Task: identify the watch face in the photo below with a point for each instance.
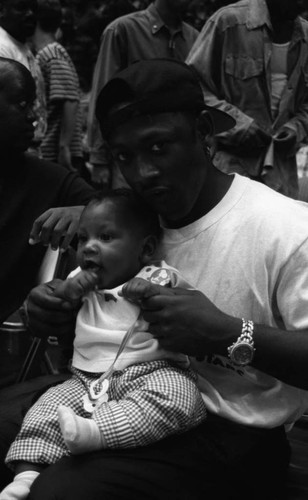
(242, 354)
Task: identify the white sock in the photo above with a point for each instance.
(20, 487)
(80, 434)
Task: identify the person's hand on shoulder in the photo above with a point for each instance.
(56, 227)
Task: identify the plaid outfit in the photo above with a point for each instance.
(152, 392)
(147, 402)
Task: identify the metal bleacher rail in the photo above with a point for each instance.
(24, 356)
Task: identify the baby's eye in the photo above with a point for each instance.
(81, 238)
(23, 104)
(105, 237)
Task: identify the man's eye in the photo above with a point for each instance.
(121, 157)
(157, 147)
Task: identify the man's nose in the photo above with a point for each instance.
(30, 11)
(146, 168)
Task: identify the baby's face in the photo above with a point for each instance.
(109, 244)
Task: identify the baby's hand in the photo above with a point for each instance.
(138, 289)
(73, 289)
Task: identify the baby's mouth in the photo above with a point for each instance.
(92, 266)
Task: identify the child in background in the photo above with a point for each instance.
(62, 142)
(126, 391)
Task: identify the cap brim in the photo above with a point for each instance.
(221, 120)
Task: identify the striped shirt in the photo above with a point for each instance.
(62, 84)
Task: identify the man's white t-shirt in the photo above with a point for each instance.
(249, 255)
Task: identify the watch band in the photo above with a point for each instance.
(244, 340)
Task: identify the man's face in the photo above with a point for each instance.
(18, 18)
(16, 115)
(178, 5)
(286, 10)
(161, 158)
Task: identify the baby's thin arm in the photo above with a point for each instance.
(73, 289)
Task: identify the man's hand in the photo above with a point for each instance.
(285, 140)
(56, 226)
(182, 320)
(48, 314)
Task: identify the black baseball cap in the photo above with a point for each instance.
(154, 86)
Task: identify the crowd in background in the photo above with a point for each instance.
(84, 22)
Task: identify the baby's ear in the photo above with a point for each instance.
(148, 249)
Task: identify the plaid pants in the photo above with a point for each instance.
(147, 402)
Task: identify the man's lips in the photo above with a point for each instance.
(29, 26)
(155, 192)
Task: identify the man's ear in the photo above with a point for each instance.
(2, 9)
(205, 124)
(148, 249)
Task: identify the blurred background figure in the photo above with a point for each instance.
(157, 31)
(29, 187)
(252, 59)
(63, 139)
(17, 25)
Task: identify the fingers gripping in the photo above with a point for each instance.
(138, 290)
(76, 287)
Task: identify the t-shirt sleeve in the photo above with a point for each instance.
(292, 291)
(63, 81)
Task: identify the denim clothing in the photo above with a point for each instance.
(140, 35)
(232, 56)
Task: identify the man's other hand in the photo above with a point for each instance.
(182, 320)
(56, 226)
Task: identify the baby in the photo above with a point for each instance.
(125, 391)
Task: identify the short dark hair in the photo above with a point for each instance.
(49, 15)
(146, 218)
